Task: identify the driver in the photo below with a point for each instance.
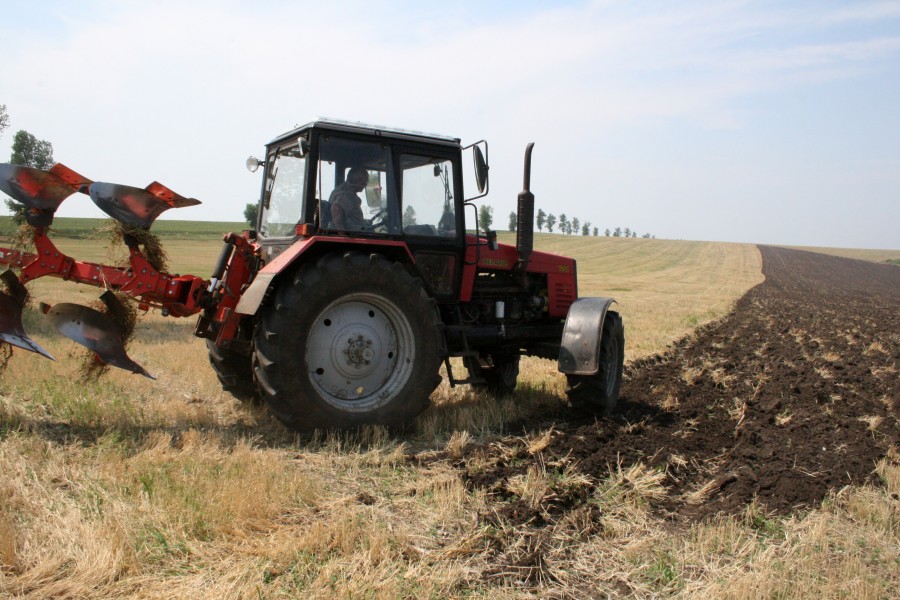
(346, 206)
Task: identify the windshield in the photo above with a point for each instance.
(283, 193)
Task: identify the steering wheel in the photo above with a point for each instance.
(377, 220)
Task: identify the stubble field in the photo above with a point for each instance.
(755, 456)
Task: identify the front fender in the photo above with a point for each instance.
(311, 248)
(579, 349)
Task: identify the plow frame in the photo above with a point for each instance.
(177, 295)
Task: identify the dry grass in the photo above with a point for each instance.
(126, 488)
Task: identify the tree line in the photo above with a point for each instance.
(567, 226)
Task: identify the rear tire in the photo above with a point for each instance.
(235, 372)
(349, 340)
(601, 391)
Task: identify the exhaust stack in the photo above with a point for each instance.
(525, 215)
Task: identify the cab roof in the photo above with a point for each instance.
(367, 129)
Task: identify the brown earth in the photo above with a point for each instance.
(793, 394)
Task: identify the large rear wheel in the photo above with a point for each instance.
(601, 391)
(234, 371)
(350, 340)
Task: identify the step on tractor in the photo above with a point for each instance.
(367, 271)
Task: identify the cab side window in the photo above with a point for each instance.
(427, 196)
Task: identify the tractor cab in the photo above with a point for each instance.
(335, 178)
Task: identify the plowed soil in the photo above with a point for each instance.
(793, 394)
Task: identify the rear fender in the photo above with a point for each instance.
(579, 351)
(311, 249)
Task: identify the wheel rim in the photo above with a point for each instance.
(360, 352)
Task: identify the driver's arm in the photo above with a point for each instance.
(337, 216)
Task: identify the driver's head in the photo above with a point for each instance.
(358, 177)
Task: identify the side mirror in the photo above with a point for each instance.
(481, 169)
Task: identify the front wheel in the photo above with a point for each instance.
(350, 340)
(601, 390)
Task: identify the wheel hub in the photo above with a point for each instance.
(356, 351)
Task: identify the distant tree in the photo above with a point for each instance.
(551, 221)
(597, 231)
(4, 119)
(540, 219)
(251, 212)
(646, 236)
(409, 217)
(576, 225)
(512, 221)
(617, 232)
(29, 151)
(627, 232)
(634, 234)
(586, 228)
(486, 216)
(608, 232)
(563, 223)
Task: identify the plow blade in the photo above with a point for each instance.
(11, 305)
(135, 206)
(40, 191)
(95, 331)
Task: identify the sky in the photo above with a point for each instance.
(737, 121)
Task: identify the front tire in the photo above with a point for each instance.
(601, 391)
(350, 340)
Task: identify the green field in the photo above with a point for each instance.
(83, 228)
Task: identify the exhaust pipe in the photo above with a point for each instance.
(525, 215)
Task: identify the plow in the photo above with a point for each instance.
(336, 310)
(41, 193)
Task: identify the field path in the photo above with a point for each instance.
(793, 394)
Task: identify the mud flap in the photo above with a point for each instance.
(579, 351)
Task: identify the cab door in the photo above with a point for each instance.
(429, 184)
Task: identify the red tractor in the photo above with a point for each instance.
(339, 309)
